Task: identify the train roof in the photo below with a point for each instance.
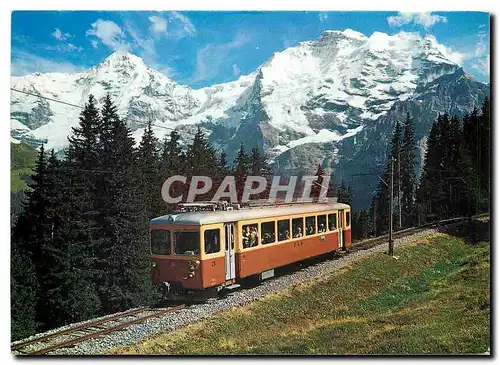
(209, 217)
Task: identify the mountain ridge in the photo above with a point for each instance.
(325, 96)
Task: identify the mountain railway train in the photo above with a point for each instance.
(203, 252)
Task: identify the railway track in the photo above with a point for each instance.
(93, 329)
(372, 242)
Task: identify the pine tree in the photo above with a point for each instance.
(201, 157)
(429, 179)
(148, 170)
(23, 293)
(485, 152)
(408, 175)
(31, 232)
(202, 161)
(223, 164)
(380, 203)
(361, 225)
(28, 236)
(241, 167)
(317, 184)
(75, 296)
(67, 287)
(84, 177)
(172, 157)
(123, 252)
(173, 162)
(259, 167)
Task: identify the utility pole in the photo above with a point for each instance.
(391, 242)
(399, 189)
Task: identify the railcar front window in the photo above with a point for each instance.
(250, 235)
(297, 227)
(212, 240)
(160, 242)
(310, 225)
(283, 229)
(321, 223)
(268, 232)
(332, 222)
(348, 219)
(187, 243)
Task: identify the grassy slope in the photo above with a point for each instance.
(22, 162)
(434, 300)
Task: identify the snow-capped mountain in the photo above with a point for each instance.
(331, 101)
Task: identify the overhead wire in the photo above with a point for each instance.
(82, 107)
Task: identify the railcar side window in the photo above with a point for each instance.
(332, 222)
(187, 243)
(283, 229)
(310, 225)
(321, 223)
(347, 219)
(212, 240)
(297, 227)
(268, 232)
(160, 242)
(250, 235)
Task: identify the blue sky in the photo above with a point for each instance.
(204, 48)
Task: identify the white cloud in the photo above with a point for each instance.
(483, 65)
(67, 47)
(158, 24)
(94, 43)
(110, 35)
(211, 58)
(427, 20)
(482, 54)
(450, 53)
(181, 25)
(322, 17)
(236, 70)
(477, 58)
(481, 46)
(24, 63)
(59, 35)
(146, 46)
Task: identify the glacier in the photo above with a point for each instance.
(330, 101)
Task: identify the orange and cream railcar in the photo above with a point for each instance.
(202, 250)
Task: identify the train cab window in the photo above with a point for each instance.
(321, 223)
(250, 235)
(332, 222)
(268, 232)
(283, 229)
(310, 225)
(160, 242)
(347, 218)
(212, 240)
(187, 243)
(297, 227)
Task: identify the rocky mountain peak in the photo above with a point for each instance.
(312, 103)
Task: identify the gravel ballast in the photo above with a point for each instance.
(196, 312)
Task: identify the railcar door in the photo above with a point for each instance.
(340, 216)
(230, 258)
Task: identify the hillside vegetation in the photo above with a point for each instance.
(434, 300)
(22, 163)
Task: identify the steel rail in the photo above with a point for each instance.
(69, 343)
(76, 328)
